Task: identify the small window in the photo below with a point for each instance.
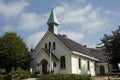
(38, 64)
(54, 64)
(54, 45)
(88, 65)
(62, 61)
(45, 45)
(79, 63)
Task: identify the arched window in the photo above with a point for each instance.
(79, 63)
(54, 45)
(62, 62)
(45, 45)
(49, 45)
(88, 65)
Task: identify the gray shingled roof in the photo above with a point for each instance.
(74, 46)
(101, 55)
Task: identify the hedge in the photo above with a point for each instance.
(17, 75)
(1, 77)
(64, 77)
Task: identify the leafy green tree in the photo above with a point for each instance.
(111, 44)
(13, 52)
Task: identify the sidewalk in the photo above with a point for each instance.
(100, 78)
(30, 79)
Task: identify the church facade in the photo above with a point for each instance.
(58, 53)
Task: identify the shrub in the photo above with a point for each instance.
(52, 72)
(1, 77)
(36, 73)
(64, 77)
(17, 75)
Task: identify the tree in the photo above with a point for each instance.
(111, 44)
(13, 52)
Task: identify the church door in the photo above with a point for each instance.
(102, 70)
(44, 66)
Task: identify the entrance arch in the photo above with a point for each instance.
(44, 63)
(102, 70)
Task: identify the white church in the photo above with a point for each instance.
(58, 53)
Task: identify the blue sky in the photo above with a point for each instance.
(85, 21)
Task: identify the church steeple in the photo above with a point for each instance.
(53, 23)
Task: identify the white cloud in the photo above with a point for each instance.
(8, 28)
(13, 9)
(88, 17)
(91, 45)
(35, 38)
(25, 20)
(30, 21)
(76, 36)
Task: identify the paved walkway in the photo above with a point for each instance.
(100, 78)
(30, 79)
(94, 78)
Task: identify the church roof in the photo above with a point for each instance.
(74, 46)
(101, 55)
(52, 18)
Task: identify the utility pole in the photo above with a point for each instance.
(50, 60)
(108, 55)
(50, 57)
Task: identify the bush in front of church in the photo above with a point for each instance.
(17, 75)
(64, 77)
(1, 77)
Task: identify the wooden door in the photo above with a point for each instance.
(44, 67)
(102, 70)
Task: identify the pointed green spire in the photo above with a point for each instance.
(52, 19)
(53, 23)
